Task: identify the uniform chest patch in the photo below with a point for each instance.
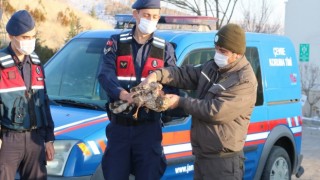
(154, 63)
(123, 64)
(38, 70)
(11, 75)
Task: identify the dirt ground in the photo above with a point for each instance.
(310, 150)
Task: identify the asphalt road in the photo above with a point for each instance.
(310, 150)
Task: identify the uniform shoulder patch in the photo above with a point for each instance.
(108, 46)
(109, 42)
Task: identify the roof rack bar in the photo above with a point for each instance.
(166, 19)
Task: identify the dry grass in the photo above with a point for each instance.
(50, 32)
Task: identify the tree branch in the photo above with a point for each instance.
(184, 5)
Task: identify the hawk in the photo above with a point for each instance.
(149, 96)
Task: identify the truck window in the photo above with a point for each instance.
(200, 56)
(253, 57)
(73, 73)
(195, 58)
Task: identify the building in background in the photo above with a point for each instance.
(303, 28)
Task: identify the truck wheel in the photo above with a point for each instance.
(278, 165)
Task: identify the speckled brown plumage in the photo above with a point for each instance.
(149, 96)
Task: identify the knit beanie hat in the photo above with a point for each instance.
(20, 23)
(231, 37)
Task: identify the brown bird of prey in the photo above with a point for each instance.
(149, 96)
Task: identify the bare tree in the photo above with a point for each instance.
(309, 76)
(223, 11)
(257, 20)
(114, 7)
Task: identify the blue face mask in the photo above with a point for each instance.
(221, 60)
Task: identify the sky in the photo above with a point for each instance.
(277, 6)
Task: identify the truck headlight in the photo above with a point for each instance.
(62, 150)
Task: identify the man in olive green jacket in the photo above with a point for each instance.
(226, 89)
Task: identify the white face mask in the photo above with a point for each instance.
(26, 47)
(146, 26)
(220, 59)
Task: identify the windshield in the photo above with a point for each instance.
(72, 73)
